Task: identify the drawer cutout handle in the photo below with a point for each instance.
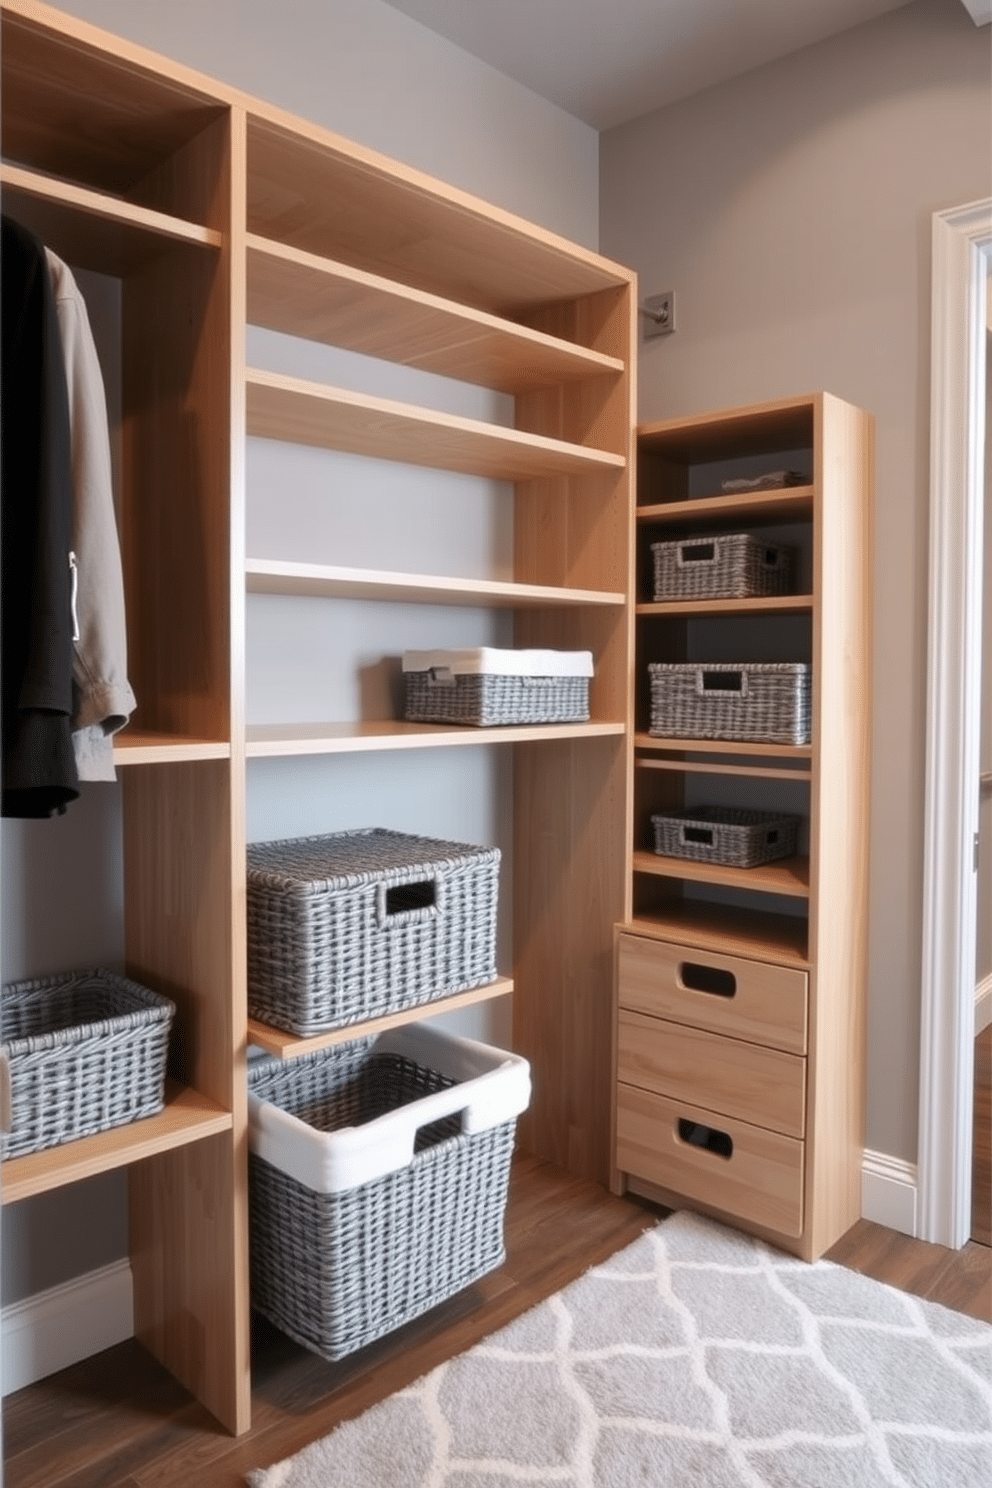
(695, 1134)
(712, 979)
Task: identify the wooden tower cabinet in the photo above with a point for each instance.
(740, 990)
(216, 212)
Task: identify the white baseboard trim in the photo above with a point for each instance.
(983, 1004)
(56, 1328)
(888, 1192)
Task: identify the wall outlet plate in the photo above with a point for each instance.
(658, 314)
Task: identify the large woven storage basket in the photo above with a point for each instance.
(727, 565)
(87, 1051)
(767, 702)
(378, 1174)
(734, 836)
(346, 927)
(488, 687)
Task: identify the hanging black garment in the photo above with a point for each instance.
(38, 774)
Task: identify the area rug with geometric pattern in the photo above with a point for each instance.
(697, 1356)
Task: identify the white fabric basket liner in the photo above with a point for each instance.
(490, 661)
(493, 1087)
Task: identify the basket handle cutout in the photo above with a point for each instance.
(771, 836)
(703, 836)
(695, 1134)
(712, 979)
(772, 557)
(440, 1129)
(408, 903)
(441, 676)
(735, 682)
(697, 553)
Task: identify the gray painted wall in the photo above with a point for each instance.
(790, 211)
(361, 68)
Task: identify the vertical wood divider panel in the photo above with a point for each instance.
(842, 543)
(571, 803)
(184, 823)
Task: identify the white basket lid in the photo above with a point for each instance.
(493, 1086)
(489, 660)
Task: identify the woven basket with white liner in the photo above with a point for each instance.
(487, 687)
(378, 1177)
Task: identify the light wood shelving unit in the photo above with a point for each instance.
(740, 991)
(217, 212)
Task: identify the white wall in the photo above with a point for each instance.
(361, 68)
(790, 211)
(374, 75)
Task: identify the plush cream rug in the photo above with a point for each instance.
(696, 1356)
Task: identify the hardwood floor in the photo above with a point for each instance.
(119, 1421)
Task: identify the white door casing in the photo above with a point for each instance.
(962, 255)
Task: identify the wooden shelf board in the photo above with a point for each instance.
(723, 746)
(770, 604)
(187, 1117)
(323, 581)
(275, 740)
(324, 194)
(701, 767)
(138, 747)
(286, 1045)
(722, 435)
(794, 503)
(301, 412)
(783, 876)
(92, 229)
(300, 294)
(778, 938)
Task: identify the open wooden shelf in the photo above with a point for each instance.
(701, 767)
(746, 748)
(758, 935)
(286, 1045)
(323, 581)
(280, 740)
(771, 604)
(392, 220)
(90, 228)
(302, 412)
(138, 747)
(781, 876)
(186, 1117)
(303, 295)
(753, 509)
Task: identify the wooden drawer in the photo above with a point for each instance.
(753, 1174)
(752, 1000)
(762, 1086)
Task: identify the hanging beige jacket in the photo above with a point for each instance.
(102, 697)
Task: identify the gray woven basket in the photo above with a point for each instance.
(87, 1051)
(353, 925)
(727, 565)
(489, 700)
(734, 836)
(767, 702)
(337, 1270)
